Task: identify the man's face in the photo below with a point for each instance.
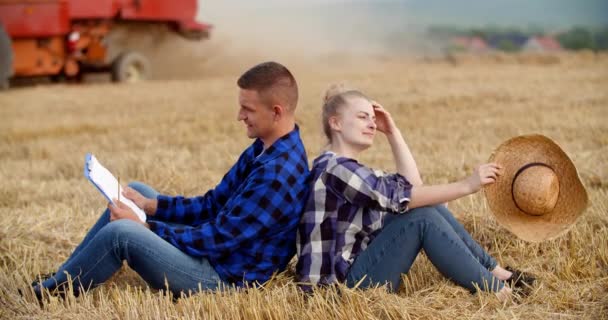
(257, 116)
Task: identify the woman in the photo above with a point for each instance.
(362, 226)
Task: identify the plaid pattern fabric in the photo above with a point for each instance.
(344, 213)
(246, 226)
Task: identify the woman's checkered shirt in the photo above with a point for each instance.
(344, 213)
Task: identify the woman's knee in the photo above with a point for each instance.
(427, 214)
(449, 217)
(445, 212)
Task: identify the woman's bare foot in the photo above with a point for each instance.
(501, 273)
(504, 294)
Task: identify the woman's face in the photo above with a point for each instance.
(356, 124)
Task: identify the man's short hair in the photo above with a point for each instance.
(273, 82)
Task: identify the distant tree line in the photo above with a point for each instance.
(574, 38)
(583, 38)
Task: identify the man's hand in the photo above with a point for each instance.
(122, 211)
(148, 205)
(483, 175)
(384, 120)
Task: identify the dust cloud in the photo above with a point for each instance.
(246, 32)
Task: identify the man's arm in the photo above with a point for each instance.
(256, 211)
(193, 210)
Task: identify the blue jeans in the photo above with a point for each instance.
(159, 263)
(444, 240)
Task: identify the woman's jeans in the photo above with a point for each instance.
(444, 240)
(159, 263)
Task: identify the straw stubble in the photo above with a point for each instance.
(180, 137)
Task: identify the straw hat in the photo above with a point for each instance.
(539, 195)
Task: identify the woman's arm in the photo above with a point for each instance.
(432, 195)
(404, 160)
(365, 187)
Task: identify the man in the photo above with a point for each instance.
(242, 231)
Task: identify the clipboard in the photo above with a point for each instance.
(107, 184)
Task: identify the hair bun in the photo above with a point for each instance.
(334, 90)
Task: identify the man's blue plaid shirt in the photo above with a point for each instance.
(246, 226)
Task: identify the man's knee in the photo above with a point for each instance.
(119, 228)
(138, 186)
(144, 189)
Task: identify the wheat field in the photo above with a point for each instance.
(181, 136)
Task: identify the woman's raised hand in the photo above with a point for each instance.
(484, 174)
(384, 121)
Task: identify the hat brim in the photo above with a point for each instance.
(572, 199)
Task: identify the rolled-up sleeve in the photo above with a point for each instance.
(363, 186)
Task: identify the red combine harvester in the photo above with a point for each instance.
(60, 38)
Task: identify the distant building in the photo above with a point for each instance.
(507, 42)
(542, 44)
(469, 44)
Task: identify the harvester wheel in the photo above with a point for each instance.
(130, 67)
(6, 59)
(194, 35)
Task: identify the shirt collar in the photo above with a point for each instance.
(287, 142)
(324, 157)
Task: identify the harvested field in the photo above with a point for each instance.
(181, 136)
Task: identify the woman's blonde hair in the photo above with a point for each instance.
(336, 96)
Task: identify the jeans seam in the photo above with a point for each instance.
(486, 256)
(170, 265)
(94, 266)
(465, 246)
(116, 245)
(383, 250)
(481, 285)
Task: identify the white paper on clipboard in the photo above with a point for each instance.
(107, 184)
